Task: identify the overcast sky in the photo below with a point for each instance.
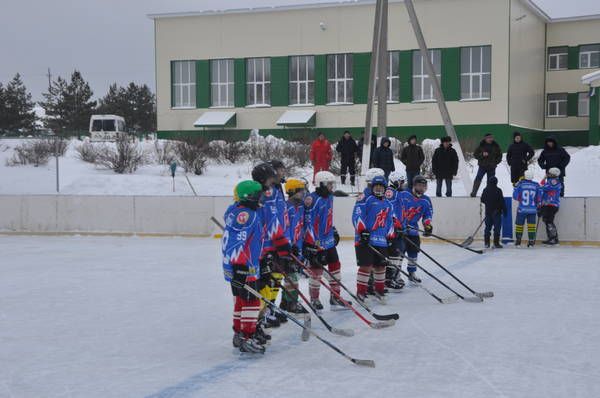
(112, 40)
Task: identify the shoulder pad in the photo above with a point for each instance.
(242, 217)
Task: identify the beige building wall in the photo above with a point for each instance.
(349, 28)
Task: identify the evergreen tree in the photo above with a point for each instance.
(16, 107)
(3, 112)
(135, 103)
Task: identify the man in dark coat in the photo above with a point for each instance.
(347, 148)
(413, 157)
(488, 155)
(384, 157)
(554, 155)
(444, 165)
(518, 156)
(493, 199)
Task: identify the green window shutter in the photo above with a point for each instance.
(202, 84)
(573, 61)
(572, 104)
(405, 61)
(320, 79)
(451, 73)
(280, 81)
(172, 84)
(362, 66)
(239, 72)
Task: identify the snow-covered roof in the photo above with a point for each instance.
(298, 118)
(593, 79)
(216, 119)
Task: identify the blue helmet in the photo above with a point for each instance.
(379, 180)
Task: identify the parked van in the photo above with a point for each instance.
(106, 127)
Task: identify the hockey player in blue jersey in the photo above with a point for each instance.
(551, 188)
(321, 239)
(527, 193)
(393, 277)
(241, 247)
(416, 207)
(374, 224)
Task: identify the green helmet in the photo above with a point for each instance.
(248, 191)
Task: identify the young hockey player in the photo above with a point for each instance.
(393, 277)
(493, 199)
(417, 207)
(321, 239)
(375, 228)
(550, 203)
(241, 246)
(296, 190)
(527, 193)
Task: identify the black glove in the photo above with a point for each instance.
(322, 257)
(365, 237)
(399, 232)
(309, 251)
(240, 272)
(336, 236)
(390, 242)
(428, 230)
(267, 265)
(295, 250)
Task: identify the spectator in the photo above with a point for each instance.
(444, 165)
(518, 156)
(348, 149)
(488, 155)
(361, 143)
(493, 199)
(384, 157)
(554, 155)
(320, 154)
(413, 157)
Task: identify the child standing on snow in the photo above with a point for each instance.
(493, 199)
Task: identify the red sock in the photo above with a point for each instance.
(334, 270)
(249, 316)
(237, 313)
(315, 282)
(379, 275)
(362, 280)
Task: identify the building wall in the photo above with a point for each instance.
(348, 29)
(572, 34)
(527, 59)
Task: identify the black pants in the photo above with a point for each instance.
(348, 166)
(438, 189)
(516, 172)
(548, 213)
(493, 220)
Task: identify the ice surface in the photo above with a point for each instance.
(151, 317)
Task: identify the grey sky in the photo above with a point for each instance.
(112, 40)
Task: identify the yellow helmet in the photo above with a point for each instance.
(236, 197)
(293, 185)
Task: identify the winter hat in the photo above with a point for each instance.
(493, 181)
(516, 133)
(446, 139)
(487, 135)
(411, 137)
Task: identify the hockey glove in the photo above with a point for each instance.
(336, 236)
(365, 238)
(309, 251)
(295, 251)
(428, 230)
(399, 232)
(322, 257)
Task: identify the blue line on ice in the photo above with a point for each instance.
(196, 382)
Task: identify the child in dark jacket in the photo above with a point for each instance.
(493, 199)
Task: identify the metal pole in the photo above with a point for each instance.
(366, 151)
(57, 171)
(382, 71)
(439, 96)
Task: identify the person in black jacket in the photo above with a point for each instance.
(493, 199)
(518, 155)
(413, 157)
(488, 155)
(384, 157)
(554, 155)
(348, 149)
(444, 165)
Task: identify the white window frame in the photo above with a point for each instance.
(476, 75)
(556, 57)
(219, 81)
(347, 79)
(301, 83)
(190, 85)
(588, 56)
(392, 78)
(583, 102)
(422, 76)
(556, 104)
(264, 86)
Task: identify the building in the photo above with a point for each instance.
(504, 65)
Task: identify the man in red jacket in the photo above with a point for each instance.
(320, 154)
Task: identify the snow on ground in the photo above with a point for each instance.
(151, 317)
(80, 178)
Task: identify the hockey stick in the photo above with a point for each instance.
(374, 325)
(467, 242)
(361, 362)
(379, 317)
(447, 241)
(477, 294)
(475, 299)
(190, 184)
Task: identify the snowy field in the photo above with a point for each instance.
(149, 317)
(80, 178)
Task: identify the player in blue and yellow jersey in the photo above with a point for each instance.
(551, 188)
(527, 193)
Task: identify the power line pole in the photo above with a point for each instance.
(382, 72)
(56, 138)
(49, 74)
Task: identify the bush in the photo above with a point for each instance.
(164, 151)
(125, 157)
(429, 147)
(87, 152)
(223, 151)
(36, 152)
(193, 154)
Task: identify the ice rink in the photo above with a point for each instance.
(151, 317)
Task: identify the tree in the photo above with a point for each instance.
(69, 106)
(135, 103)
(16, 107)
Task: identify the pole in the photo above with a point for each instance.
(366, 150)
(439, 96)
(56, 155)
(382, 71)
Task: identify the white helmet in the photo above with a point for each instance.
(554, 172)
(324, 177)
(529, 175)
(374, 172)
(396, 176)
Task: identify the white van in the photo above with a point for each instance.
(106, 127)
